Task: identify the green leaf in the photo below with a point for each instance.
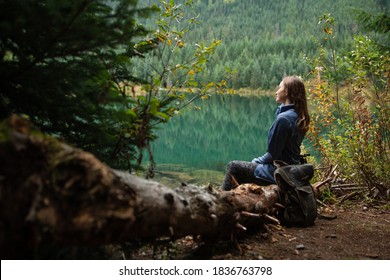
(162, 116)
(131, 113)
(154, 106)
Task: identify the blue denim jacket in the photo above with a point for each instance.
(284, 143)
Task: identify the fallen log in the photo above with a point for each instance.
(51, 193)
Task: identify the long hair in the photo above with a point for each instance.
(297, 93)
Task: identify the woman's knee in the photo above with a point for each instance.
(232, 165)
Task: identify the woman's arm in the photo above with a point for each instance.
(266, 158)
(278, 136)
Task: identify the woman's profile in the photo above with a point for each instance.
(285, 137)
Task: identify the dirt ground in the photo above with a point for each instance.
(352, 233)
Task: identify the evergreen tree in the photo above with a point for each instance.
(71, 67)
(276, 25)
(62, 63)
(379, 24)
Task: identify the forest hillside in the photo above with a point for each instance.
(263, 40)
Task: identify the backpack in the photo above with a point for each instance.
(296, 194)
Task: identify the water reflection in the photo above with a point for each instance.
(196, 146)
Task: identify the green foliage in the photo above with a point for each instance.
(67, 65)
(379, 24)
(170, 71)
(61, 64)
(350, 126)
(171, 66)
(328, 196)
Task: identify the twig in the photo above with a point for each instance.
(271, 219)
(265, 216)
(280, 206)
(349, 189)
(249, 214)
(327, 179)
(321, 203)
(345, 197)
(240, 226)
(317, 185)
(330, 172)
(333, 170)
(344, 185)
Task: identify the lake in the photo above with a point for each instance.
(195, 146)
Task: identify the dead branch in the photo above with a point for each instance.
(316, 186)
(342, 186)
(321, 203)
(346, 197)
(52, 193)
(271, 219)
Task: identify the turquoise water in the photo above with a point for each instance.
(195, 147)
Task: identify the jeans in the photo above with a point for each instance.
(243, 172)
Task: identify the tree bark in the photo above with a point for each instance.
(51, 193)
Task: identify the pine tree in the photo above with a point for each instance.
(62, 63)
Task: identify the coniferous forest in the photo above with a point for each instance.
(263, 40)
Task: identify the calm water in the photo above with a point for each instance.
(196, 146)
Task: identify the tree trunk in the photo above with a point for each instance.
(51, 193)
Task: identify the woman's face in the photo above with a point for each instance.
(281, 94)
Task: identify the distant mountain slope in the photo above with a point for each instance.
(263, 40)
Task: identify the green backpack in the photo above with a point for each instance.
(296, 195)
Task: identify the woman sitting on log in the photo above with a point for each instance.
(285, 137)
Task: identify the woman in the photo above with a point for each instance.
(285, 137)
